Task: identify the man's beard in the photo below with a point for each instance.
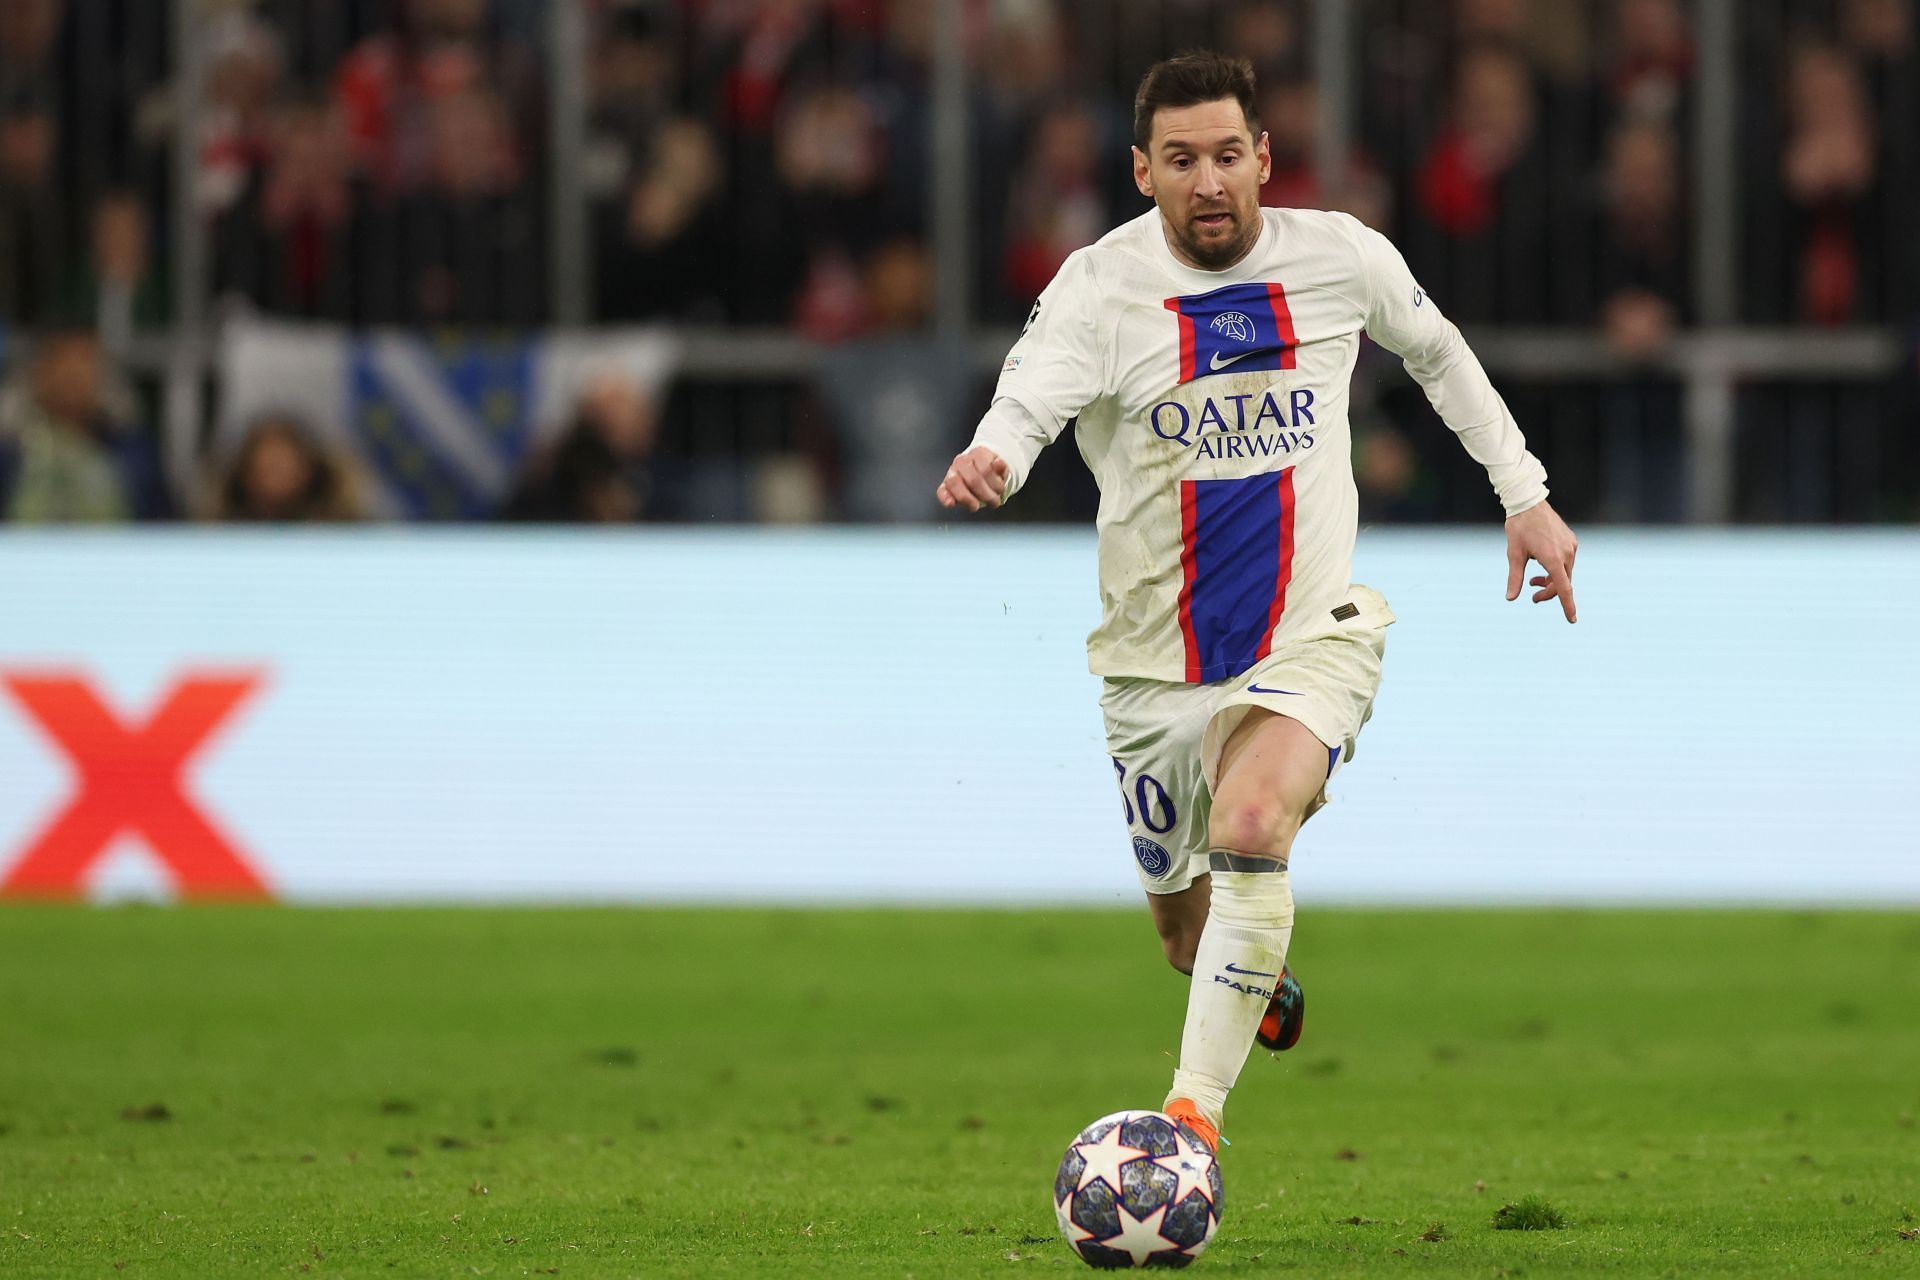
(1217, 255)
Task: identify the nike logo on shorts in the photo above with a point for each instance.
(1254, 688)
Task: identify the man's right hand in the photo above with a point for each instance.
(977, 478)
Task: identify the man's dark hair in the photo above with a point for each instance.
(1187, 80)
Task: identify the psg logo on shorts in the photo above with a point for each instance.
(1153, 858)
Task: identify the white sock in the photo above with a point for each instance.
(1235, 970)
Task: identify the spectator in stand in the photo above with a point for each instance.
(898, 64)
(32, 220)
(443, 209)
(786, 88)
(662, 258)
(388, 83)
(1394, 487)
(284, 243)
(1022, 65)
(116, 284)
(1023, 61)
(1643, 268)
(1057, 203)
(70, 450)
(1643, 285)
(1290, 113)
(632, 89)
(654, 179)
(1651, 66)
(601, 470)
(770, 50)
(237, 121)
(29, 137)
(1830, 167)
(831, 153)
(1501, 22)
(898, 397)
(470, 239)
(1267, 34)
(28, 30)
(1879, 29)
(1641, 72)
(758, 48)
(1414, 53)
(1881, 35)
(282, 475)
(1482, 195)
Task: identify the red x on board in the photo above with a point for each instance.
(132, 778)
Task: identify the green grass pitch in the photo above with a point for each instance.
(262, 1092)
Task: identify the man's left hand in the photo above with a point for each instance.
(1539, 534)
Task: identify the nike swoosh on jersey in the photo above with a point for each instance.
(1291, 693)
(1216, 364)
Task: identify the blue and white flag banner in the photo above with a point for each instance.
(440, 422)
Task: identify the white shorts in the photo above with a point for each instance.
(1166, 738)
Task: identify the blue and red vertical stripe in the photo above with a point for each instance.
(1234, 329)
(1236, 559)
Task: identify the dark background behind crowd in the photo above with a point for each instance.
(766, 164)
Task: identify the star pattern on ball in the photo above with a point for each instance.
(1140, 1238)
(1104, 1159)
(1075, 1234)
(1191, 1163)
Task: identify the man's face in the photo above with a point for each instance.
(1204, 168)
(67, 377)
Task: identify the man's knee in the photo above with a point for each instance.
(1272, 772)
(1253, 826)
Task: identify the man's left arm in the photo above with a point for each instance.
(1404, 320)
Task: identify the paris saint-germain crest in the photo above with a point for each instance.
(1238, 328)
(1152, 855)
(1234, 324)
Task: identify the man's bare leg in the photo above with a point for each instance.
(1271, 774)
(1179, 918)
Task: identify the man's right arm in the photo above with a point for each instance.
(1053, 371)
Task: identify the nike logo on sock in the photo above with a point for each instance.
(1251, 973)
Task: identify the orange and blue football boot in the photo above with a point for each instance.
(1184, 1110)
(1286, 1014)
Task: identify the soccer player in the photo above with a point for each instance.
(1205, 348)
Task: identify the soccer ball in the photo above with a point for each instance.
(1138, 1189)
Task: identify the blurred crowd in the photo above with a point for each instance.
(767, 162)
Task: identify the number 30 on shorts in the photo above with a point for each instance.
(1155, 805)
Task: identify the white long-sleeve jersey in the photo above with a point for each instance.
(1212, 411)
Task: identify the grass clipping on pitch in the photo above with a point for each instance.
(1529, 1213)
